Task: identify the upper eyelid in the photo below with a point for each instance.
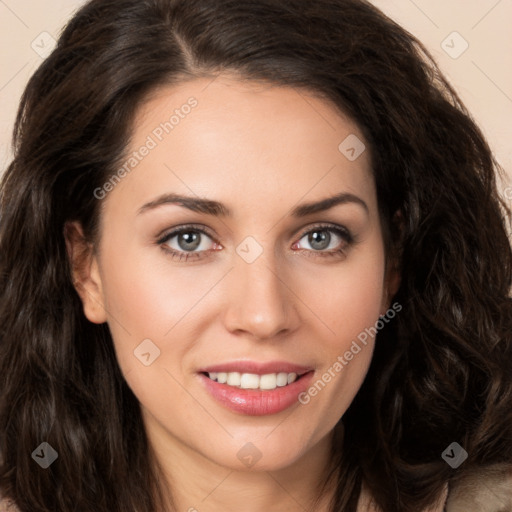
(170, 233)
(205, 230)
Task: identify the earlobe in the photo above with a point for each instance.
(85, 272)
(393, 273)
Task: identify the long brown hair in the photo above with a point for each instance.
(441, 369)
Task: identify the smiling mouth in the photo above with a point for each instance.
(266, 382)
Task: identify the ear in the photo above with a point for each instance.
(85, 272)
(392, 283)
(393, 276)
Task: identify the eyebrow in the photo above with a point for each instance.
(217, 209)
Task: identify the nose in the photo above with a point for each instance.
(261, 302)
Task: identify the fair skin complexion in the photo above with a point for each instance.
(261, 151)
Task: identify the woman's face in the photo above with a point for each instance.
(263, 280)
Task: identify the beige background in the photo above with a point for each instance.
(482, 74)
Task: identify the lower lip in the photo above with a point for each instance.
(254, 402)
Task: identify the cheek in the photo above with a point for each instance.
(149, 305)
(147, 294)
(142, 302)
(360, 302)
(350, 307)
(144, 289)
(149, 297)
(347, 298)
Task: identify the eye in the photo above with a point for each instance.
(189, 242)
(320, 238)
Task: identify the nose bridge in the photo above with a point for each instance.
(260, 301)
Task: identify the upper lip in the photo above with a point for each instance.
(258, 368)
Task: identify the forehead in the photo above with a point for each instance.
(226, 138)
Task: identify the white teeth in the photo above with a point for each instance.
(291, 377)
(249, 381)
(234, 379)
(268, 381)
(282, 379)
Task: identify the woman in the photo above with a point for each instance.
(253, 257)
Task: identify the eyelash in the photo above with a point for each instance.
(343, 233)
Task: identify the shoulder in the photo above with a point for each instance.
(487, 489)
(6, 505)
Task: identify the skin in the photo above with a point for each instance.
(261, 150)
